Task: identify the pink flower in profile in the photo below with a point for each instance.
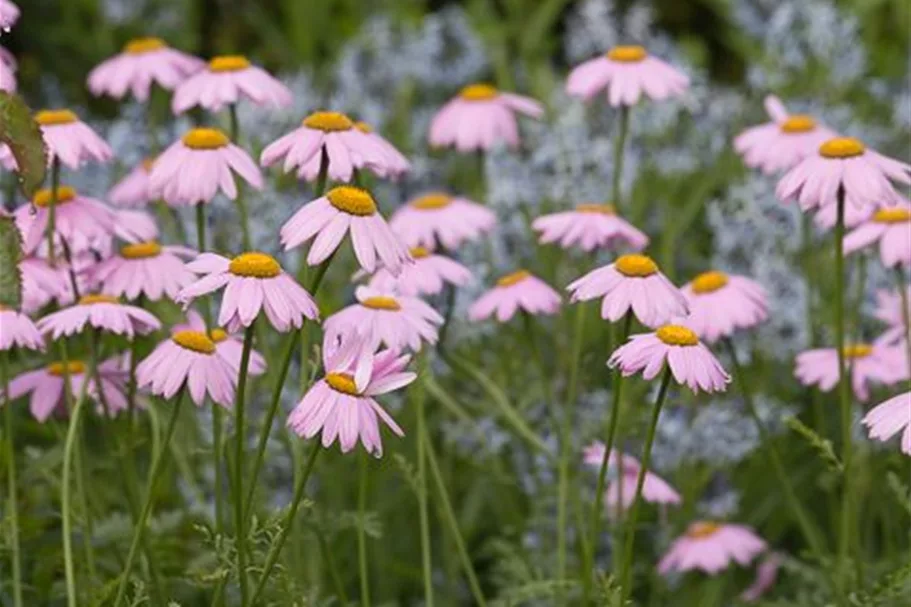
(102, 312)
(514, 292)
(228, 346)
(134, 189)
(46, 387)
(868, 363)
(481, 117)
(437, 217)
(891, 228)
(188, 358)
(782, 143)
(722, 303)
(342, 405)
(144, 61)
(79, 220)
(345, 209)
(224, 81)
(889, 418)
(18, 331)
(70, 140)
(254, 283)
(399, 322)
(199, 165)
(146, 268)
(843, 163)
(42, 283)
(625, 73)
(889, 310)
(396, 163)
(9, 14)
(429, 273)
(589, 227)
(827, 216)
(766, 576)
(712, 547)
(632, 282)
(690, 362)
(620, 492)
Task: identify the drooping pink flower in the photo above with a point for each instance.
(827, 216)
(889, 310)
(224, 81)
(345, 209)
(712, 547)
(102, 312)
(133, 226)
(519, 291)
(199, 165)
(620, 491)
(8, 68)
(42, 283)
(691, 363)
(868, 363)
(145, 268)
(843, 163)
(229, 346)
(9, 14)
(891, 228)
(889, 418)
(429, 273)
(632, 282)
(342, 404)
(589, 227)
(18, 331)
(144, 61)
(721, 303)
(134, 189)
(437, 217)
(625, 73)
(396, 163)
(766, 576)
(79, 220)
(782, 143)
(70, 140)
(481, 117)
(254, 282)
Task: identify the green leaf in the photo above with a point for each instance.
(10, 254)
(21, 133)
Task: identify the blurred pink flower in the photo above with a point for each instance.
(620, 491)
(134, 226)
(519, 291)
(625, 73)
(9, 14)
(451, 220)
(144, 61)
(722, 303)
(889, 418)
(889, 310)
(134, 189)
(145, 268)
(8, 68)
(766, 576)
(41, 283)
(228, 346)
(18, 331)
(70, 140)
(891, 228)
(589, 227)
(867, 363)
(711, 547)
(103, 312)
(396, 164)
(224, 81)
(429, 273)
(81, 221)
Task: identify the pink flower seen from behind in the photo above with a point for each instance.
(134, 189)
(70, 140)
(722, 303)
(589, 227)
(625, 74)
(143, 62)
(102, 312)
(438, 218)
(711, 547)
(226, 80)
(519, 291)
(146, 268)
(428, 275)
(868, 363)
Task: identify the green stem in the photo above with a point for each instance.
(11, 481)
(419, 401)
(363, 573)
(333, 569)
(51, 211)
(619, 148)
(239, 451)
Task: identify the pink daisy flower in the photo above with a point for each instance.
(722, 303)
(199, 165)
(481, 117)
(766, 576)
(224, 81)
(42, 283)
(9, 14)
(428, 275)
(79, 220)
(691, 363)
(868, 363)
(102, 312)
(18, 331)
(229, 346)
(399, 322)
(342, 404)
(711, 547)
(517, 291)
(134, 226)
(632, 282)
(70, 140)
(437, 217)
(889, 310)
(134, 189)
(827, 216)
(341, 210)
(396, 163)
(625, 73)
(843, 163)
(254, 282)
(144, 61)
(889, 418)
(891, 228)
(589, 226)
(782, 143)
(620, 492)
(145, 268)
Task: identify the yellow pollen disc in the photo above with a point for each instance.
(197, 341)
(342, 382)
(858, 350)
(702, 530)
(514, 278)
(627, 54)
(894, 215)
(798, 123)
(709, 282)
(675, 335)
(603, 209)
(64, 194)
(52, 117)
(140, 250)
(419, 252)
(381, 303)
(74, 367)
(228, 63)
(842, 147)
(218, 335)
(478, 92)
(352, 200)
(328, 122)
(255, 265)
(205, 139)
(429, 202)
(636, 265)
(138, 46)
(87, 300)
(363, 127)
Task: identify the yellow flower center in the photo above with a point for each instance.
(140, 250)
(702, 530)
(64, 194)
(675, 335)
(603, 209)
(205, 139)
(381, 303)
(858, 350)
(842, 147)
(627, 53)
(53, 117)
(514, 278)
(478, 92)
(352, 200)
(228, 63)
(255, 265)
(87, 300)
(218, 335)
(197, 341)
(342, 382)
(798, 123)
(138, 46)
(894, 215)
(328, 122)
(636, 265)
(709, 282)
(419, 252)
(363, 127)
(74, 367)
(430, 202)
